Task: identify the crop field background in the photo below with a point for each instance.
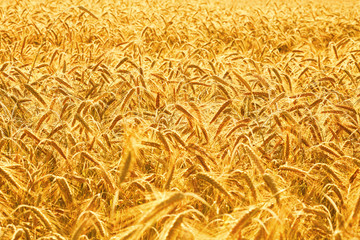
(169, 119)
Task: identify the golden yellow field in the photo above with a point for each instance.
(171, 119)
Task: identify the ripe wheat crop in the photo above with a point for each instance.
(178, 119)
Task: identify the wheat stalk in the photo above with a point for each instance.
(87, 11)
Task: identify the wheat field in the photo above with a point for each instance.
(169, 119)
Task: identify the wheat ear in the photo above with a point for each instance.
(213, 182)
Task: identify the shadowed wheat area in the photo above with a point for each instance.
(179, 120)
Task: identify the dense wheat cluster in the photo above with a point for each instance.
(167, 119)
